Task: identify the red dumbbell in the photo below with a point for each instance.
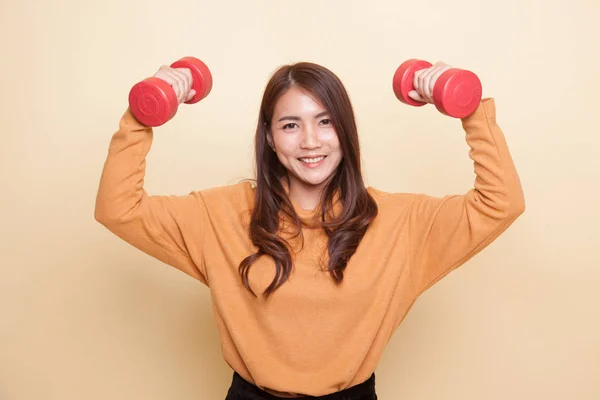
(456, 93)
(153, 101)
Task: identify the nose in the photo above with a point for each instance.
(310, 137)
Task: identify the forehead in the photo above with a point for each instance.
(297, 102)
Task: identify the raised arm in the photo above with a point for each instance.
(168, 228)
(446, 232)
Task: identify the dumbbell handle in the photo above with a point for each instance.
(201, 77)
(153, 101)
(456, 92)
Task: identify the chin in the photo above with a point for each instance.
(315, 182)
(318, 181)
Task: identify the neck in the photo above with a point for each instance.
(306, 197)
(306, 200)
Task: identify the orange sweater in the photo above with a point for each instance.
(311, 337)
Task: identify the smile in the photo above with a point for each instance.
(313, 160)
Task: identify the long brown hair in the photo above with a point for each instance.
(345, 230)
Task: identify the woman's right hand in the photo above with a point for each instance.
(180, 80)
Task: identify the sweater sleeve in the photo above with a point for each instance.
(168, 228)
(445, 232)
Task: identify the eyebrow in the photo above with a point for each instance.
(294, 118)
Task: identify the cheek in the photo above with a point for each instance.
(333, 142)
(285, 145)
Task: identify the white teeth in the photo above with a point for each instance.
(311, 160)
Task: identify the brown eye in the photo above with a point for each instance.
(289, 126)
(326, 121)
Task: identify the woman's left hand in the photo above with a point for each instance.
(424, 82)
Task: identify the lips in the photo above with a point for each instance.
(312, 160)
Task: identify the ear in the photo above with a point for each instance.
(270, 140)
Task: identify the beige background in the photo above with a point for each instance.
(85, 316)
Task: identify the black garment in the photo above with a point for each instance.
(242, 390)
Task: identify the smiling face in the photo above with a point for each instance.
(306, 143)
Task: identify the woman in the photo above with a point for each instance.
(310, 272)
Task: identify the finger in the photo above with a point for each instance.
(420, 87)
(186, 76)
(163, 73)
(166, 74)
(191, 95)
(440, 69)
(183, 82)
(426, 79)
(423, 85)
(178, 85)
(413, 94)
(417, 80)
(427, 90)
